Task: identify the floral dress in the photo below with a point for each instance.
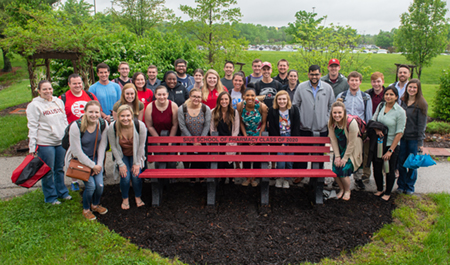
(252, 120)
(347, 169)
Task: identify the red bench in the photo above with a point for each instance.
(263, 152)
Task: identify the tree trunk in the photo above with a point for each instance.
(210, 54)
(419, 71)
(32, 76)
(7, 67)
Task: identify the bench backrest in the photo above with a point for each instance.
(227, 148)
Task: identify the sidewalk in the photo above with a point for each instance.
(431, 180)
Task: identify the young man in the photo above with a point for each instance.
(403, 74)
(358, 104)
(76, 98)
(153, 81)
(256, 75)
(314, 99)
(227, 80)
(185, 79)
(335, 79)
(107, 93)
(124, 71)
(267, 87)
(283, 67)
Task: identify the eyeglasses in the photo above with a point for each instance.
(314, 74)
(124, 68)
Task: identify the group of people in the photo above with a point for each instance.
(121, 113)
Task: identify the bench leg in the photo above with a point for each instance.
(156, 192)
(318, 189)
(211, 188)
(264, 191)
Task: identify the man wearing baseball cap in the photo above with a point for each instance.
(335, 79)
(267, 87)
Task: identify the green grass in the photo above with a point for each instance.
(13, 129)
(22, 73)
(438, 127)
(16, 94)
(32, 232)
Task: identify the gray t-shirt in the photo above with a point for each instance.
(236, 97)
(227, 83)
(88, 142)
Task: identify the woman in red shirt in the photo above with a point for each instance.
(145, 95)
(211, 89)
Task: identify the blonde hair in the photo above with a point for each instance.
(84, 119)
(135, 102)
(281, 93)
(331, 122)
(118, 125)
(188, 101)
(205, 89)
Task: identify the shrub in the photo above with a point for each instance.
(442, 99)
(438, 127)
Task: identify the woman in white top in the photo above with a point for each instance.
(46, 123)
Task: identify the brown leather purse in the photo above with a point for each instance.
(78, 170)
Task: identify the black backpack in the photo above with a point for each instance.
(365, 97)
(65, 140)
(63, 96)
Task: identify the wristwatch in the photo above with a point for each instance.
(390, 150)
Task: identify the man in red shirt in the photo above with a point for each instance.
(76, 98)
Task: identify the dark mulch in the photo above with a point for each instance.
(437, 140)
(9, 109)
(239, 231)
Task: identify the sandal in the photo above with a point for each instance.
(140, 204)
(339, 197)
(346, 196)
(297, 180)
(379, 193)
(125, 206)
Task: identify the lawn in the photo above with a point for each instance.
(18, 93)
(32, 232)
(13, 129)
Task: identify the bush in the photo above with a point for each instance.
(160, 49)
(438, 127)
(442, 99)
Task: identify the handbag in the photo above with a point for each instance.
(30, 171)
(77, 170)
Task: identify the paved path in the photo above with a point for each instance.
(431, 180)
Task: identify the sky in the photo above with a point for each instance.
(367, 17)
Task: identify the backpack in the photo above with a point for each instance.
(365, 97)
(185, 110)
(65, 140)
(63, 96)
(359, 121)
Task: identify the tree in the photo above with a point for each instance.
(422, 34)
(320, 44)
(385, 39)
(77, 10)
(211, 28)
(141, 15)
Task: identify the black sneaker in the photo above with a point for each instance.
(365, 179)
(360, 184)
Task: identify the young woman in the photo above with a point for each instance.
(284, 120)
(143, 94)
(347, 146)
(253, 116)
(416, 108)
(238, 88)
(176, 92)
(394, 118)
(161, 114)
(128, 148)
(225, 121)
(46, 124)
(194, 118)
(82, 144)
(129, 97)
(198, 78)
(212, 88)
(292, 83)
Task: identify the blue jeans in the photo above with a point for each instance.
(285, 165)
(93, 190)
(53, 183)
(125, 182)
(407, 177)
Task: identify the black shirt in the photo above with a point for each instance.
(267, 89)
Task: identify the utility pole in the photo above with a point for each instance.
(314, 8)
(95, 7)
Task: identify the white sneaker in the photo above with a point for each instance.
(285, 184)
(279, 183)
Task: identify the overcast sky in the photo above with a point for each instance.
(368, 17)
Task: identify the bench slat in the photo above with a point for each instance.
(239, 148)
(240, 158)
(239, 139)
(235, 173)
